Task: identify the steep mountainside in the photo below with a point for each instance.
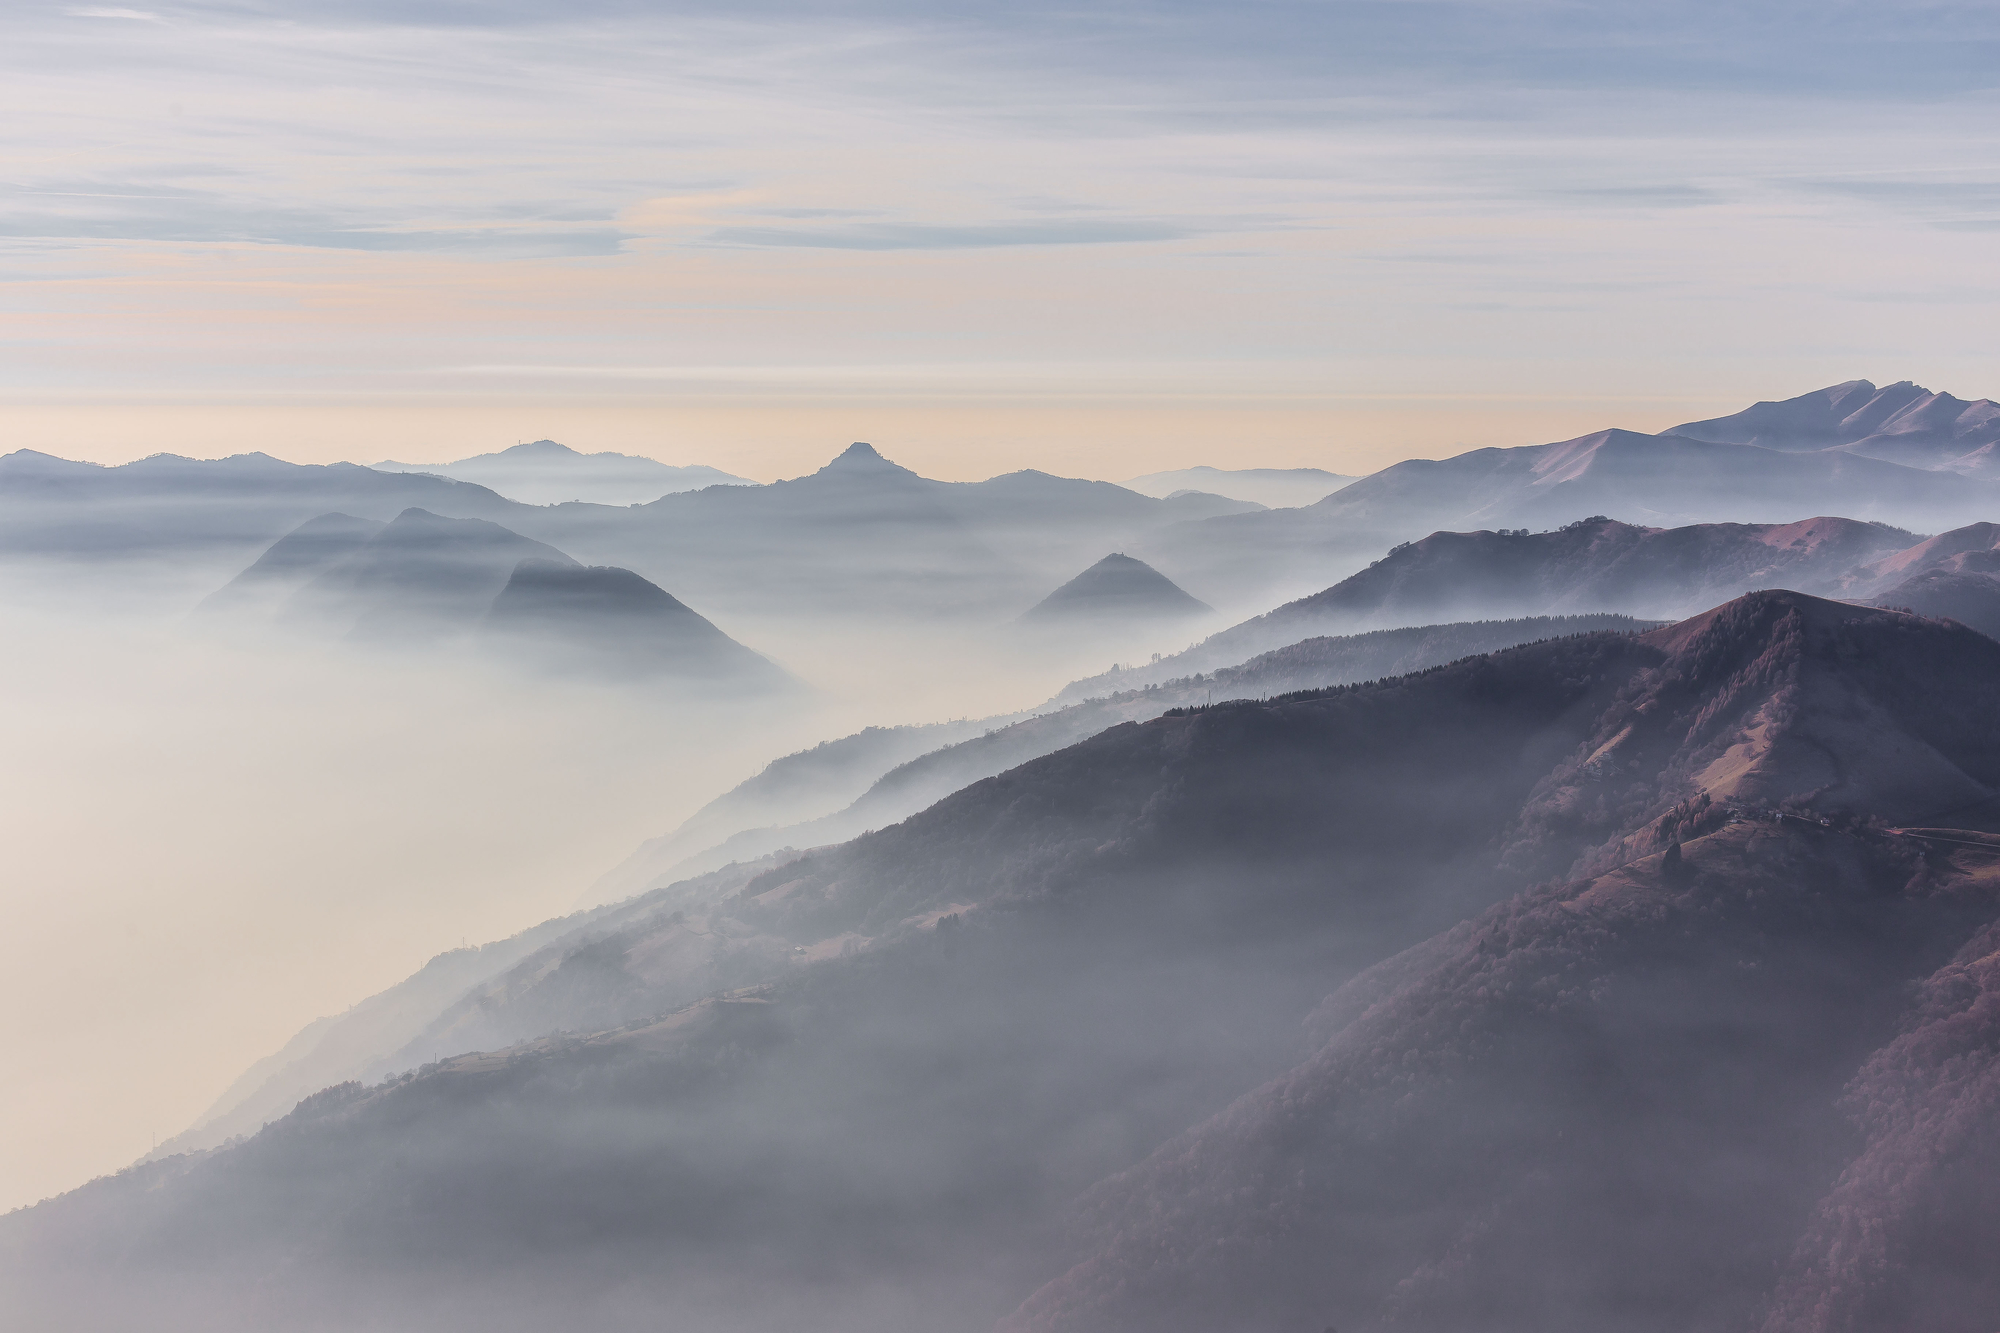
(433, 1016)
(904, 789)
(1903, 423)
(788, 790)
(1607, 1102)
(352, 1044)
(1594, 564)
(439, 1007)
(1600, 564)
(1955, 574)
(1970, 599)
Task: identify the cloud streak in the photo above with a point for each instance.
(977, 236)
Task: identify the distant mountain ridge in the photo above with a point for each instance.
(1903, 423)
(1601, 564)
(423, 580)
(214, 508)
(1273, 487)
(860, 534)
(1670, 479)
(543, 472)
(1597, 567)
(906, 788)
(870, 535)
(874, 538)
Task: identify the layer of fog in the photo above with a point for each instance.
(214, 840)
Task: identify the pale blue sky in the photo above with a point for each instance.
(1335, 232)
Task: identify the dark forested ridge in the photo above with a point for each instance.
(904, 788)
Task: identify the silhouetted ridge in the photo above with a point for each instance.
(300, 554)
(608, 620)
(544, 472)
(862, 460)
(538, 449)
(1592, 565)
(1116, 586)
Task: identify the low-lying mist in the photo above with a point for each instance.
(214, 838)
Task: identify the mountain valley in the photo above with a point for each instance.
(1116, 947)
(1515, 918)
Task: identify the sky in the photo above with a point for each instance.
(1100, 240)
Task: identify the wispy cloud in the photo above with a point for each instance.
(1954, 205)
(1415, 176)
(974, 236)
(113, 211)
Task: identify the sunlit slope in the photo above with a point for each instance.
(1613, 1103)
(1901, 423)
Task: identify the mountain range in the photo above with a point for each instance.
(542, 472)
(1272, 487)
(859, 535)
(1591, 574)
(1600, 564)
(423, 580)
(1903, 423)
(740, 827)
(167, 507)
(865, 536)
(1723, 470)
(830, 793)
(1563, 923)
(1619, 980)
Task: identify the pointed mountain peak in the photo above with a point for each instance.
(862, 460)
(1117, 585)
(860, 455)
